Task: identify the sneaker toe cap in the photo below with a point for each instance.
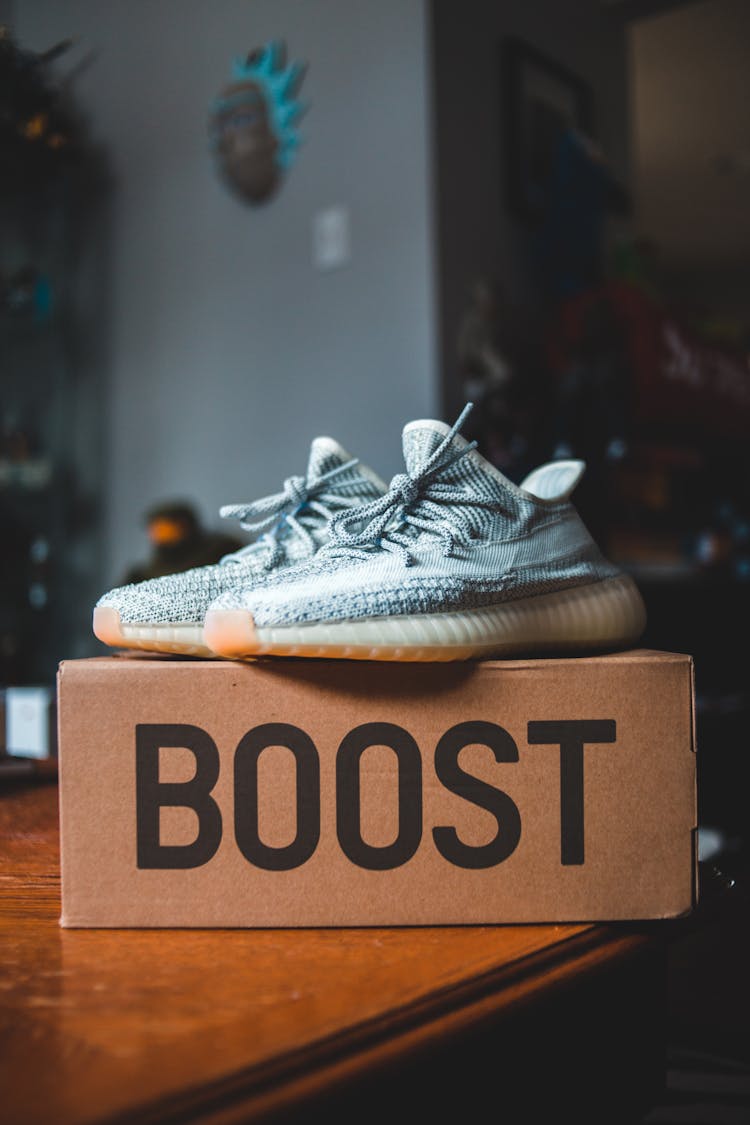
(145, 602)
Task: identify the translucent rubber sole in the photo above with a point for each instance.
(606, 614)
(184, 638)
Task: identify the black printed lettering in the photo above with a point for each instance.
(477, 792)
(571, 736)
(153, 795)
(307, 765)
(348, 804)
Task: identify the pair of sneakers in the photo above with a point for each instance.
(451, 561)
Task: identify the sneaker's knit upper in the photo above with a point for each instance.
(452, 533)
(289, 527)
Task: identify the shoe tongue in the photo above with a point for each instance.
(325, 454)
(421, 439)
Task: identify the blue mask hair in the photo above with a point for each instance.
(279, 85)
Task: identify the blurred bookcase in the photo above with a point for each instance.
(54, 222)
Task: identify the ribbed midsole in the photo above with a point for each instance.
(185, 638)
(609, 612)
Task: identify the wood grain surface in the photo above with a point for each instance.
(115, 1025)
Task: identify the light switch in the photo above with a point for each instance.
(331, 238)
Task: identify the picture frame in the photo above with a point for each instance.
(540, 98)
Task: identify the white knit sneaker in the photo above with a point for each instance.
(453, 562)
(166, 614)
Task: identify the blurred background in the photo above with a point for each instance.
(535, 205)
(538, 206)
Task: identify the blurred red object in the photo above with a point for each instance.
(676, 381)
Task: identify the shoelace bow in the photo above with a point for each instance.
(273, 517)
(420, 499)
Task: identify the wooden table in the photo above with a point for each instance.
(229, 1026)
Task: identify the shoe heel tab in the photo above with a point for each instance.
(555, 481)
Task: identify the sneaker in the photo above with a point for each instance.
(453, 562)
(166, 614)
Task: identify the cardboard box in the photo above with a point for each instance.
(333, 793)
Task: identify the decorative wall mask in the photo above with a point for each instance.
(254, 122)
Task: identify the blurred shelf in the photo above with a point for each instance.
(34, 475)
(663, 571)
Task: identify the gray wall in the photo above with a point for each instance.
(229, 350)
(476, 233)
